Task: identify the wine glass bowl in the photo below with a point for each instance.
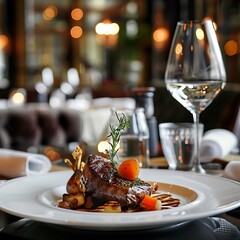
(195, 72)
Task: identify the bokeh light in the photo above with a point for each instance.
(50, 12)
(77, 14)
(178, 49)
(231, 48)
(3, 41)
(76, 32)
(107, 28)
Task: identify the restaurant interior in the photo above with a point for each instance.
(65, 64)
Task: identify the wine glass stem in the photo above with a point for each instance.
(197, 166)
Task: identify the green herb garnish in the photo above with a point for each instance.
(115, 134)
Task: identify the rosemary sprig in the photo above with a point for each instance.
(115, 134)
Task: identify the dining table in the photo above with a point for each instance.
(225, 225)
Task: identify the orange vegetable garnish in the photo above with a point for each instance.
(151, 203)
(129, 169)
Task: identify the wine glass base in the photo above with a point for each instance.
(198, 169)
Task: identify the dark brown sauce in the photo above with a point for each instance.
(167, 202)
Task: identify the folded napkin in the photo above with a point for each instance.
(217, 143)
(17, 163)
(232, 170)
(95, 121)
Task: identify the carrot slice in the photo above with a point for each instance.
(151, 203)
(129, 169)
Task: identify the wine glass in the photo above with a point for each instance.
(195, 72)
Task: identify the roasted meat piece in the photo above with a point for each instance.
(103, 184)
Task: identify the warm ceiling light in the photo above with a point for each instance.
(50, 12)
(3, 41)
(77, 14)
(76, 32)
(231, 48)
(161, 35)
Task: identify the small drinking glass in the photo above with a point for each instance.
(178, 144)
(143, 133)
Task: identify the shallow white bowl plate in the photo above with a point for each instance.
(36, 198)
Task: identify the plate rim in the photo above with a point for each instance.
(129, 225)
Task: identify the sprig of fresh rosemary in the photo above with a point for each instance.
(115, 134)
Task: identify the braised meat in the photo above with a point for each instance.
(103, 184)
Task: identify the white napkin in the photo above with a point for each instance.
(95, 122)
(17, 163)
(232, 170)
(217, 143)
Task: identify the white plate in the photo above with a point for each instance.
(36, 198)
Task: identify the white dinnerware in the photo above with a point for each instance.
(200, 196)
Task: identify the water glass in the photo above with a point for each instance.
(134, 141)
(177, 140)
(143, 134)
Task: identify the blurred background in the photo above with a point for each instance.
(107, 48)
(111, 43)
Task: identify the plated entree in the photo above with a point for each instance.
(103, 184)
